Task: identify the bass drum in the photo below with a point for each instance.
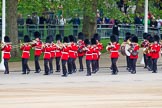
(127, 47)
(122, 49)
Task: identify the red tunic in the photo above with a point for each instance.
(38, 48)
(145, 43)
(155, 49)
(65, 53)
(114, 53)
(89, 52)
(81, 45)
(47, 51)
(53, 48)
(150, 53)
(134, 48)
(7, 48)
(57, 51)
(100, 47)
(95, 53)
(72, 50)
(25, 50)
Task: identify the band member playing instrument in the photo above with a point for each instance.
(100, 47)
(25, 47)
(89, 56)
(113, 47)
(6, 48)
(124, 48)
(134, 53)
(58, 52)
(72, 55)
(145, 44)
(149, 53)
(65, 56)
(53, 48)
(155, 49)
(81, 53)
(47, 55)
(95, 55)
(37, 44)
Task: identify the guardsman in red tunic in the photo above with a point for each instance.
(123, 45)
(100, 47)
(58, 52)
(47, 55)
(37, 44)
(89, 56)
(65, 56)
(72, 55)
(113, 48)
(145, 44)
(6, 48)
(25, 47)
(155, 49)
(80, 51)
(95, 55)
(149, 53)
(53, 48)
(134, 54)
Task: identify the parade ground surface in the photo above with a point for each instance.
(101, 90)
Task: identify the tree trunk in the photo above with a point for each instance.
(89, 19)
(12, 29)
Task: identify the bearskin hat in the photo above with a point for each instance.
(48, 39)
(81, 36)
(148, 36)
(161, 36)
(134, 39)
(27, 38)
(37, 35)
(156, 38)
(87, 42)
(66, 40)
(58, 37)
(93, 41)
(51, 38)
(96, 36)
(6, 39)
(144, 35)
(150, 39)
(127, 35)
(71, 38)
(113, 38)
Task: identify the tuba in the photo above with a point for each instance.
(109, 45)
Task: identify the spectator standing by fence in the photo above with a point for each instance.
(115, 30)
(29, 22)
(76, 23)
(20, 23)
(42, 20)
(62, 22)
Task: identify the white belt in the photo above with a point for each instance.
(65, 53)
(94, 53)
(58, 51)
(26, 51)
(53, 51)
(47, 52)
(88, 54)
(113, 51)
(7, 52)
(71, 51)
(37, 49)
